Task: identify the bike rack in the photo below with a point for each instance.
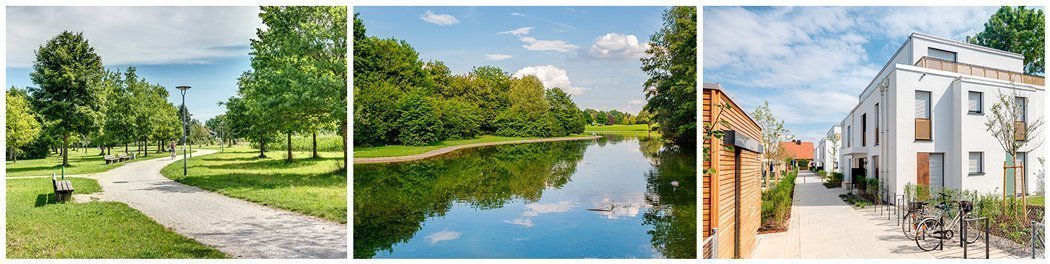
(962, 235)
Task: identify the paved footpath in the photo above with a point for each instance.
(239, 228)
(822, 226)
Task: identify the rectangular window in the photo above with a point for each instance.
(1022, 104)
(863, 130)
(923, 123)
(876, 124)
(942, 54)
(976, 163)
(849, 137)
(976, 103)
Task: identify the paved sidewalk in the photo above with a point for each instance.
(822, 226)
(237, 227)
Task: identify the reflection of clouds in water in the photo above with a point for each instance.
(624, 208)
(526, 222)
(540, 208)
(441, 236)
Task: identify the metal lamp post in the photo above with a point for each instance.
(183, 89)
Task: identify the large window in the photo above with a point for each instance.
(942, 54)
(976, 163)
(1022, 103)
(863, 130)
(923, 122)
(877, 124)
(975, 102)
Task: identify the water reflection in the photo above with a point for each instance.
(614, 197)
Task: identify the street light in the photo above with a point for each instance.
(183, 89)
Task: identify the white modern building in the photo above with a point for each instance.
(921, 120)
(825, 154)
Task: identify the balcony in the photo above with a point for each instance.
(975, 70)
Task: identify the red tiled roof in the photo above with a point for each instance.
(795, 150)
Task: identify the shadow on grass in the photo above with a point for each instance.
(265, 181)
(45, 199)
(270, 164)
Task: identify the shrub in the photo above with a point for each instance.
(834, 180)
(459, 120)
(776, 202)
(419, 121)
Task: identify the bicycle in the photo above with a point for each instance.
(916, 212)
(931, 231)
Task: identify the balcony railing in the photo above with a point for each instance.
(982, 71)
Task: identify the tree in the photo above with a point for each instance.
(22, 126)
(773, 133)
(671, 66)
(1016, 29)
(420, 121)
(67, 72)
(1008, 122)
(527, 115)
(569, 117)
(834, 151)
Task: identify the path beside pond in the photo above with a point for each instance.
(822, 226)
(240, 228)
(446, 150)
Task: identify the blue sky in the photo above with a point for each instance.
(203, 47)
(590, 52)
(811, 63)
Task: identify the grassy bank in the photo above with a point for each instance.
(399, 150)
(309, 186)
(37, 227)
(79, 163)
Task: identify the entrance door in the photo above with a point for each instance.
(936, 172)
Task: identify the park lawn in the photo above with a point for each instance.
(309, 186)
(401, 150)
(79, 163)
(37, 227)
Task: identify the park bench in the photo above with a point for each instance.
(63, 188)
(111, 159)
(124, 157)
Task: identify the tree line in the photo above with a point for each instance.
(671, 65)
(297, 84)
(399, 99)
(77, 100)
(614, 117)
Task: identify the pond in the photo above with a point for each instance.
(613, 197)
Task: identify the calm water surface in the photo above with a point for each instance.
(613, 197)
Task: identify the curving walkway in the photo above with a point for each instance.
(239, 228)
(448, 149)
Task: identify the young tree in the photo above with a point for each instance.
(671, 66)
(833, 139)
(67, 73)
(22, 126)
(1008, 122)
(1016, 29)
(773, 133)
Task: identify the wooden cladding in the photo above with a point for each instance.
(981, 71)
(923, 129)
(1020, 130)
(922, 175)
(732, 194)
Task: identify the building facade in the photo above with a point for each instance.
(825, 153)
(921, 120)
(732, 194)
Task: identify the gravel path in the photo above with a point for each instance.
(239, 228)
(445, 150)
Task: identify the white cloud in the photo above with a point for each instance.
(518, 14)
(616, 45)
(526, 222)
(517, 32)
(443, 235)
(136, 35)
(548, 45)
(497, 57)
(636, 102)
(551, 77)
(439, 19)
(559, 207)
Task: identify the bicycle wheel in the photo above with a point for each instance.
(908, 225)
(927, 236)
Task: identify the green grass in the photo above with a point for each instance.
(79, 163)
(37, 227)
(1036, 200)
(618, 128)
(309, 186)
(328, 143)
(400, 150)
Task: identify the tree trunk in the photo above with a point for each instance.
(102, 150)
(65, 148)
(262, 148)
(14, 157)
(289, 147)
(125, 147)
(315, 145)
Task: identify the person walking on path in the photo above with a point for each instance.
(172, 147)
